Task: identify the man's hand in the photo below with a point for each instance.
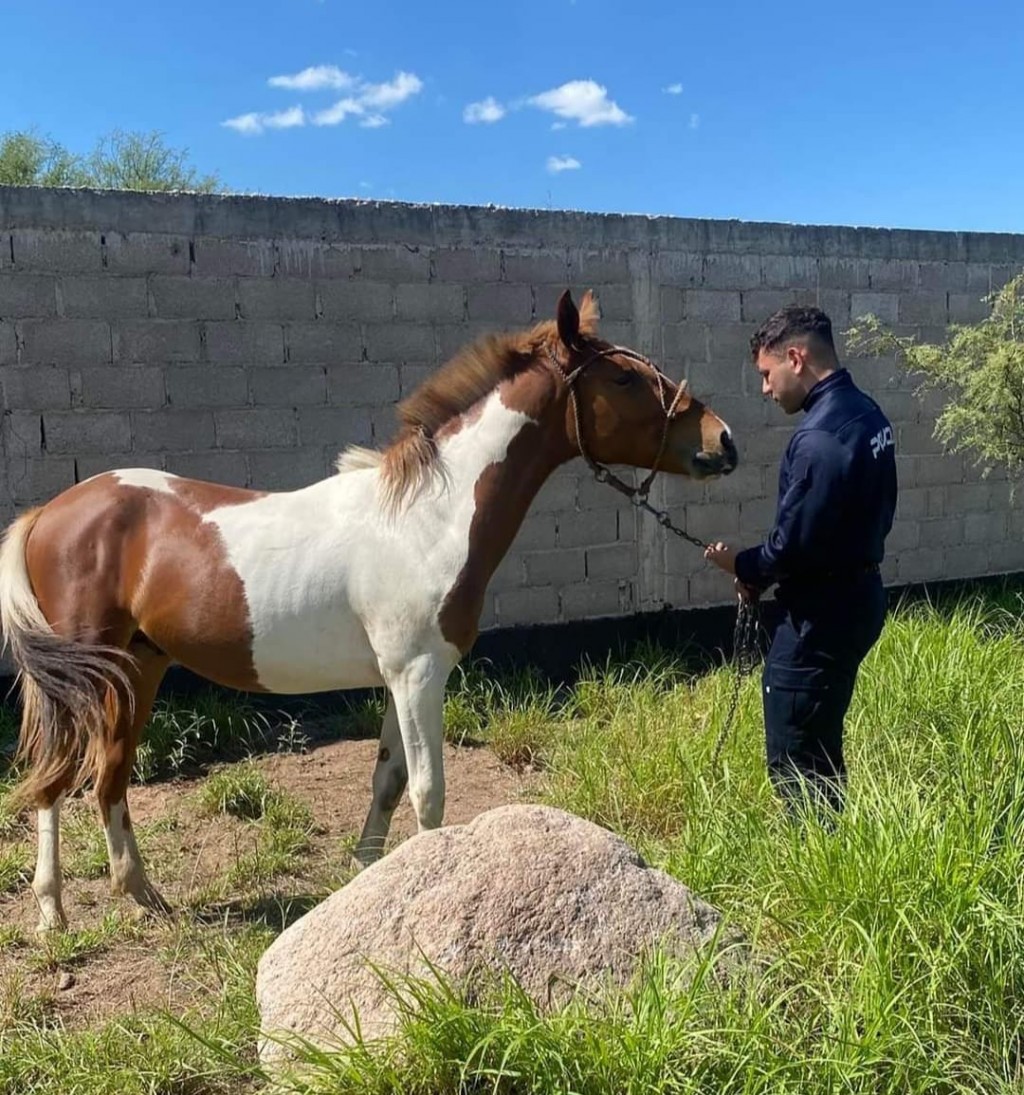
(750, 594)
(723, 556)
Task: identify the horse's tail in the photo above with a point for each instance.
(71, 691)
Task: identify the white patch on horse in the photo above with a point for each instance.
(338, 592)
(46, 884)
(150, 478)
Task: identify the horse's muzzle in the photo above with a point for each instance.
(718, 463)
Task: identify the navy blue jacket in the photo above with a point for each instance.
(837, 492)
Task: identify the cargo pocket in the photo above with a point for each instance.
(797, 709)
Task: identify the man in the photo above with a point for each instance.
(837, 497)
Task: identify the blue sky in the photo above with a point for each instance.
(902, 113)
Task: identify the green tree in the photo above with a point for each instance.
(979, 369)
(120, 161)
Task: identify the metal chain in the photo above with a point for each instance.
(745, 647)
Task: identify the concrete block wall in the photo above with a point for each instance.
(247, 340)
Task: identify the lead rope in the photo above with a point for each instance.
(746, 630)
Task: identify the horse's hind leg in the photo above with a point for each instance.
(46, 884)
(390, 776)
(127, 873)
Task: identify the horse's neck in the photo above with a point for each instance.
(501, 455)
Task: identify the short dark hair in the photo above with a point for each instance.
(793, 321)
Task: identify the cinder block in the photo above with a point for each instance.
(590, 268)
(921, 565)
(309, 258)
(244, 342)
(836, 304)
(536, 268)
(713, 520)
(710, 587)
(905, 536)
(362, 384)
(587, 528)
(732, 271)
(276, 298)
(713, 306)
(230, 468)
(917, 439)
(467, 266)
(256, 428)
(277, 471)
(712, 379)
(207, 386)
(400, 342)
(394, 263)
(887, 275)
(983, 528)
(288, 385)
(64, 341)
(924, 307)
(194, 298)
(537, 533)
(612, 561)
(944, 276)
(27, 295)
(163, 430)
(509, 574)
(559, 567)
(979, 277)
(430, 303)
(883, 305)
(1006, 558)
(118, 387)
(356, 301)
(558, 495)
(966, 561)
(682, 269)
(671, 300)
(757, 516)
(145, 253)
(22, 433)
(104, 297)
(515, 607)
(35, 387)
(83, 431)
(39, 479)
(228, 258)
(500, 304)
(730, 341)
(323, 343)
(789, 271)
(56, 251)
(943, 531)
(453, 338)
(967, 308)
(412, 376)
(334, 426)
(592, 600)
(835, 272)
(758, 304)
(8, 343)
(156, 341)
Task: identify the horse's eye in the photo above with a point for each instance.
(627, 376)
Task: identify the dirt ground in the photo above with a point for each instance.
(147, 962)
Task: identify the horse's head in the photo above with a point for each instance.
(623, 410)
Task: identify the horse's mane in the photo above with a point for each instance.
(408, 461)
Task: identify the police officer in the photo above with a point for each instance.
(837, 497)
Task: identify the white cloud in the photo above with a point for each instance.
(254, 123)
(487, 110)
(314, 78)
(367, 101)
(557, 164)
(583, 101)
(386, 96)
(337, 113)
(694, 121)
(673, 89)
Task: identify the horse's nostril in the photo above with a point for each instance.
(727, 443)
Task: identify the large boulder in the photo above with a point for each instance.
(534, 891)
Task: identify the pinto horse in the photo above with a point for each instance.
(373, 576)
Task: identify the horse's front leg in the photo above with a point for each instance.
(418, 691)
(390, 776)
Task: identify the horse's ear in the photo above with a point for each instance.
(590, 313)
(568, 320)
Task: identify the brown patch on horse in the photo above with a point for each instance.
(532, 455)
(437, 405)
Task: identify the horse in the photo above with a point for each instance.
(373, 576)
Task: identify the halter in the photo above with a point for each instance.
(637, 495)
